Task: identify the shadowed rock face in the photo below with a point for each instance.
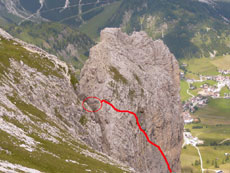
(141, 75)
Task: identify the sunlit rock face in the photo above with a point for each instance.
(141, 75)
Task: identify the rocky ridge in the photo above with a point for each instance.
(41, 112)
(41, 116)
(141, 75)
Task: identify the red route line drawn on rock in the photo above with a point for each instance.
(137, 121)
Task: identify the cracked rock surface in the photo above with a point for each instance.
(141, 75)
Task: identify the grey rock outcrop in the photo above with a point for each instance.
(39, 104)
(141, 75)
(40, 112)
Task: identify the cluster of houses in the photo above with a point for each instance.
(188, 118)
(224, 72)
(227, 154)
(206, 90)
(189, 139)
(214, 91)
(211, 90)
(182, 75)
(192, 104)
(218, 78)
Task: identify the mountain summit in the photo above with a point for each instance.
(41, 117)
(141, 75)
(45, 128)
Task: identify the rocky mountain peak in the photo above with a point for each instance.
(134, 73)
(41, 117)
(40, 107)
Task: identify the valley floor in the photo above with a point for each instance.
(205, 95)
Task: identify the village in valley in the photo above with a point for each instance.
(199, 91)
(220, 88)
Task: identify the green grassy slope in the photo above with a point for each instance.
(200, 66)
(189, 28)
(48, 156)
(10, 51)
(68, 44)
(92, 27)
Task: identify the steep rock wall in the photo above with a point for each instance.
(141, 75)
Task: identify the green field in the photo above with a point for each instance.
(214, 130)
(210, 134)
(209, 82)
(192, 76)
(205, 66)
(195, 91)
(183, 90)
(222, 62)
(215, 121)
(216, 112)
(188, 157)
(224, 90)
(200, 66)
(212, 154)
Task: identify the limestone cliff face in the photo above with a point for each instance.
(41, 117)
(141, 75)
(41, 114)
